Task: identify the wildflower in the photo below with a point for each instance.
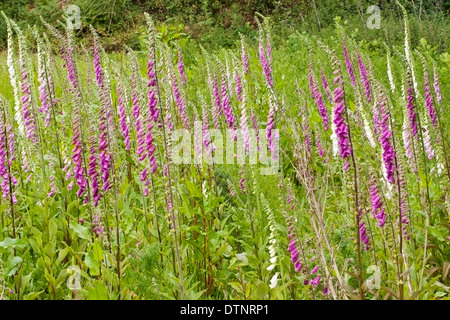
(348, 64)
(363, 72)
(375, 200)
(317, 96)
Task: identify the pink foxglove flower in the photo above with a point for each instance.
(437, 89)
(348, 64)
(429, 101)
(375, 200)
(317, 96)
(181, 67)
(365, 79)
(410, 106)
(342, 129)
(263, 58)
(293, 250)
(123, 119)
(388, 150)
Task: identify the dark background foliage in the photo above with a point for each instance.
(217, 23)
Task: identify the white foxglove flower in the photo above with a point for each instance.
(273, 281)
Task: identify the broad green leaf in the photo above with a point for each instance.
(13, 243)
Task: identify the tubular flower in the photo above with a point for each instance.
(104, 156)
(180, 102)
(140, 134)
(238, 86)
(325, 85)
(406, 139)
(319, 148)
(437, 89)
(255, 127)
(342, 129)
(217, 98)
(244, 123)
(244, 55)
(181, 67)
(317, 96)
(79, 174)
(123, 119)
(98, 228)
(228, 112)
(152, 101)
(429, 100)
(348, 64)
(410, 106)
(388, 150)
(293, 250)
(269, 126)
(209, 146)
(92, 170)
(362, 232)
(6, 158)
(375, 200)
(264, 63)
(363, 72)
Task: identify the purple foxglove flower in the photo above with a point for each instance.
(152, 101)
(362, 232)
(123, 120)
(269, 126)
(410, 106)
(316, 281)
(292, 248)
(180, 102)
(255, 127)
(429, 101)
(228, 112)
(97, 226)
(388, 150)
(79, 173)
(342, 129)
(437, 89)
(317, 96)
(348, 64)
(181, 67)
(325, 85)
(363, 72)
(319, 148)
(265, 64)
(241, 185)
(92, 170)
(375, 200)
(238, 86)
(315, 269)
(28, 118)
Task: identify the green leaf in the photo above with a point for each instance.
(8, 242)
(12, 265)
(98, 292)
(92, 264)
(82, 232)
(62, 254)
(193, 190)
